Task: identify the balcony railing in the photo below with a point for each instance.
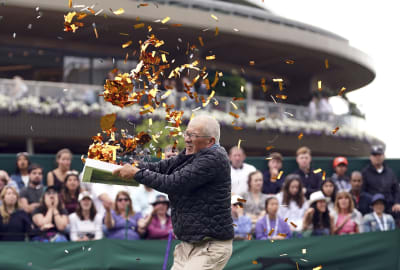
(89, 95)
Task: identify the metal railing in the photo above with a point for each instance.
(89, 94)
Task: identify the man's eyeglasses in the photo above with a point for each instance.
(123, 199)
(193, 135)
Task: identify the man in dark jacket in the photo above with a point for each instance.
(362, 200)
(198, 185)
(311, 181)
(379, 178)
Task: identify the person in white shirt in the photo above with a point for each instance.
(293, 203)
(142, 199)
(239, 170)
(86, 223)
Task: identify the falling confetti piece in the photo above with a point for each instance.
(335, 130)
(69, 3)
(317, 268)
(235, 29)
(95, 30)
(216, 31)
(234, 225)
(241, 200)
(210, 57)
(98, 12)
(289, 62)
(271, 232)
(66, 251)
(138, 25)
(304, 260)
(14, 35)
(320, 85)
(281, 96)
(31, 128)
(294, 225)
(323, 175)
(127, 44)
(196, 109)
(317, 170)
(234, 114)
(284, 254)
(119, 11)
(282, 234)
(234, 105)
(269, 147)
(297, 265)
(304, 251)
(300, 136)
(260, 119)
(252, 63)
(342, 91)
(184, 98)
(89, 249)
(326, 64)
(201, 41)
(254, 262)
(286, 219)
(165, 20)
(107, 121)
(280, 175)
(164, 59)
(242, 88)
(214, 17)
(288, 113)
(277, 80)
(237, 128)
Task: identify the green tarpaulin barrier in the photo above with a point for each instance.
(370, 251)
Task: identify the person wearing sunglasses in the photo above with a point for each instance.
(122, 221)
(198, 184)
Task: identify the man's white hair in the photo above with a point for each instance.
(209, 125)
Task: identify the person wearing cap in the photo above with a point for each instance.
(198, 185)
(378, 220)
(21, 175)
(317, 220)
(30, 195)
(158, 224)
(85, 222)
(242, 223)
(271, 226)
(240, 170)
(379, 178)
(339, 177)
(50, 218)
(311, 181)
(362, 199)
(272, 180)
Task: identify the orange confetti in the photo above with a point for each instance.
(260, 119)
(216, 31)
(241, 200)
(183, 98)
(294, 225)
(281, 96)
(95, 32)
(252, 63)
(127, 44)
(234, 225)
(342, 91)
(249, 236)
(323, 175)
(119, 11)
(254, 262)
(289, 62)
(271, 232)
(269, 147)
(234, 114)
(237, 128)
(138, 25)
(326, 64)
(70, 3)
(282, 234)
(201, 41)
(107, 121)
(91, 11)
(300, 136)
(176, 25)
(286, 219)
(210, 57)
(335, 130)
(263, 85)
(143, 5)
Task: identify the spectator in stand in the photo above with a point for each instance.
(3, 183)
(272, 185)
(239, 170)
(57, 176)
(255, 199)
(242, 227)
(86, 223)
(21, 175)
(361, 199)
(378, 220)
(122, 221)
(142, 199)
(15, 224)
(346, 218)
(379, 178)
(329, 189)
(317, 220)
(5, 180)
(70, 191)
(340, 178)
(311, 181)
(50, 218)
(30, 196)
(271, 226)
(158, 224)
(292, 202)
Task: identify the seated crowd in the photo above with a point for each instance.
(265, 205)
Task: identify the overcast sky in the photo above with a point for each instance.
(374, 28)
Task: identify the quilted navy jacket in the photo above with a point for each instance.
(199, 189)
